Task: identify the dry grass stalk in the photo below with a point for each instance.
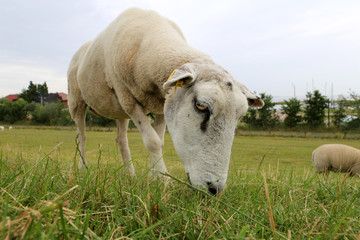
(341, 183)
(270, 213)
(18, 227)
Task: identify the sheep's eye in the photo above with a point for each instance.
(201, 107)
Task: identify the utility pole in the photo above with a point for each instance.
(332, 94)
(328, 114)
(294, 90)
(331, 103)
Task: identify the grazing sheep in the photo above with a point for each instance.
(141, 63)
(10, 128)
(336, 158)
(2, 128)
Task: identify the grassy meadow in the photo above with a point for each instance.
(272, 192)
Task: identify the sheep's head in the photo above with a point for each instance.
(201, 114)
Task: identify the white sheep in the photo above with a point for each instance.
(2, 128)
(142, 63)
(336, 158)
(11, 128)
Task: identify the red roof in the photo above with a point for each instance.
(63, 96)
(12, 97)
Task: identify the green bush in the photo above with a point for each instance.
(65, 118)
(11, 112)
(97, 120)
(49, 114)
(352, 125)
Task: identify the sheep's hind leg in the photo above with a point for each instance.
(122, 141)
(78, 113)
(355, 170)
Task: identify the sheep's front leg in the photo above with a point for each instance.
(122, 141)
(153, 140)
(160, 126)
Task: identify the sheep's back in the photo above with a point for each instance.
(338, 157)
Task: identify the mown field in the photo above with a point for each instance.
(272, 192)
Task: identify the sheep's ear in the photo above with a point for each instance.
(253, 100)
(183, 76)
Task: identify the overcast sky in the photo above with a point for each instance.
(274, 46)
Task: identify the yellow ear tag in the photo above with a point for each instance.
(179, 83)
(172, 74)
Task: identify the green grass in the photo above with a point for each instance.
(44, 196)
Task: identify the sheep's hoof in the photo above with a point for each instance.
(129, 170)
(156, 174)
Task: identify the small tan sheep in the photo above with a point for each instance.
(337, 158)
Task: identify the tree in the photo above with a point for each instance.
(291, 109)
(267, 114)
(35, 93)
(251, 117)
(315, 104)
(31, 94)
(355, 103)
(43, 92)
(339, 112)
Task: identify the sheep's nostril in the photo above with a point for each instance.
(212, 188)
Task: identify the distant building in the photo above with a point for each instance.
(51, 97)
(12, 97)
(55, 97)
(64, 99)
